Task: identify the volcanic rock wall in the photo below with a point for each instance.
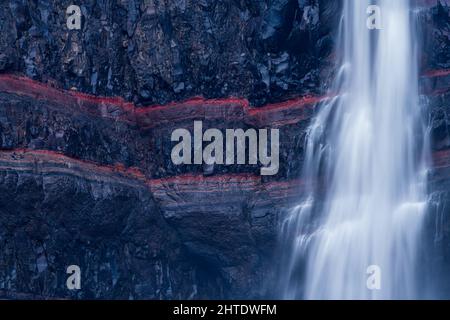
(85, 122)
(436, 89)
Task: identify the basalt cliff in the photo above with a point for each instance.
(86, 117)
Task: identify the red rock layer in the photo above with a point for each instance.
(49, 162)
(231, 109)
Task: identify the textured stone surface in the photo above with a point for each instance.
(153, 51)
(55, 212)
(85, 123)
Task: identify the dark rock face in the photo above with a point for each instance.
(159, 51)
(56, 212)
(223, 227)
(85, 171)
(437, 36)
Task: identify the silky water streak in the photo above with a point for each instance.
(365, 167)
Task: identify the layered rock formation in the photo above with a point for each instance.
(61, 146)
(85, 122)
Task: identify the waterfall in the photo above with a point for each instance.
(365, 167)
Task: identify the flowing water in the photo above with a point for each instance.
(366, 153)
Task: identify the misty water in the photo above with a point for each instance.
(365, 169)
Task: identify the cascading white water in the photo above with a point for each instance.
(368, 147)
